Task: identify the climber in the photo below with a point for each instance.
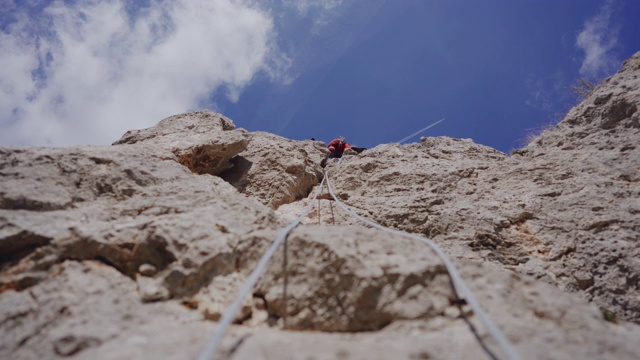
(337, 147)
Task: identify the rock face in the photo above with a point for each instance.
(273, 170)
(198, 139)
(135, 250)
(564, 209)
(276, 170)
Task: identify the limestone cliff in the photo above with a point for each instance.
(134, 250)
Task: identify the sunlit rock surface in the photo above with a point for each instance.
(135, 250)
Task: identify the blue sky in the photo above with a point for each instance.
(375, 71)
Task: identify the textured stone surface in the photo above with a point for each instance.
(353, 279)
(135, 250)
(276, 170)
(135, 205)
(564, 209)
(202, 141)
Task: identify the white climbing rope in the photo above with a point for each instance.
(491, 328)
(215, 341)
(421, 130)
(227, 318)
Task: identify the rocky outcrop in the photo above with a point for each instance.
(135, 250)
(202, 141)
(273, 169)
(276, 170)
(132, 207)
(365, 281)
(563, 209)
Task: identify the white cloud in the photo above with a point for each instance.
(597, 40)
(321, 11)
(546, 92)
(86, 73)
(7, 6)
(306, 6)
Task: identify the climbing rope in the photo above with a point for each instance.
(227, 318)
(215, 341)
(491, 328)
(421, 130)
(333, 219)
